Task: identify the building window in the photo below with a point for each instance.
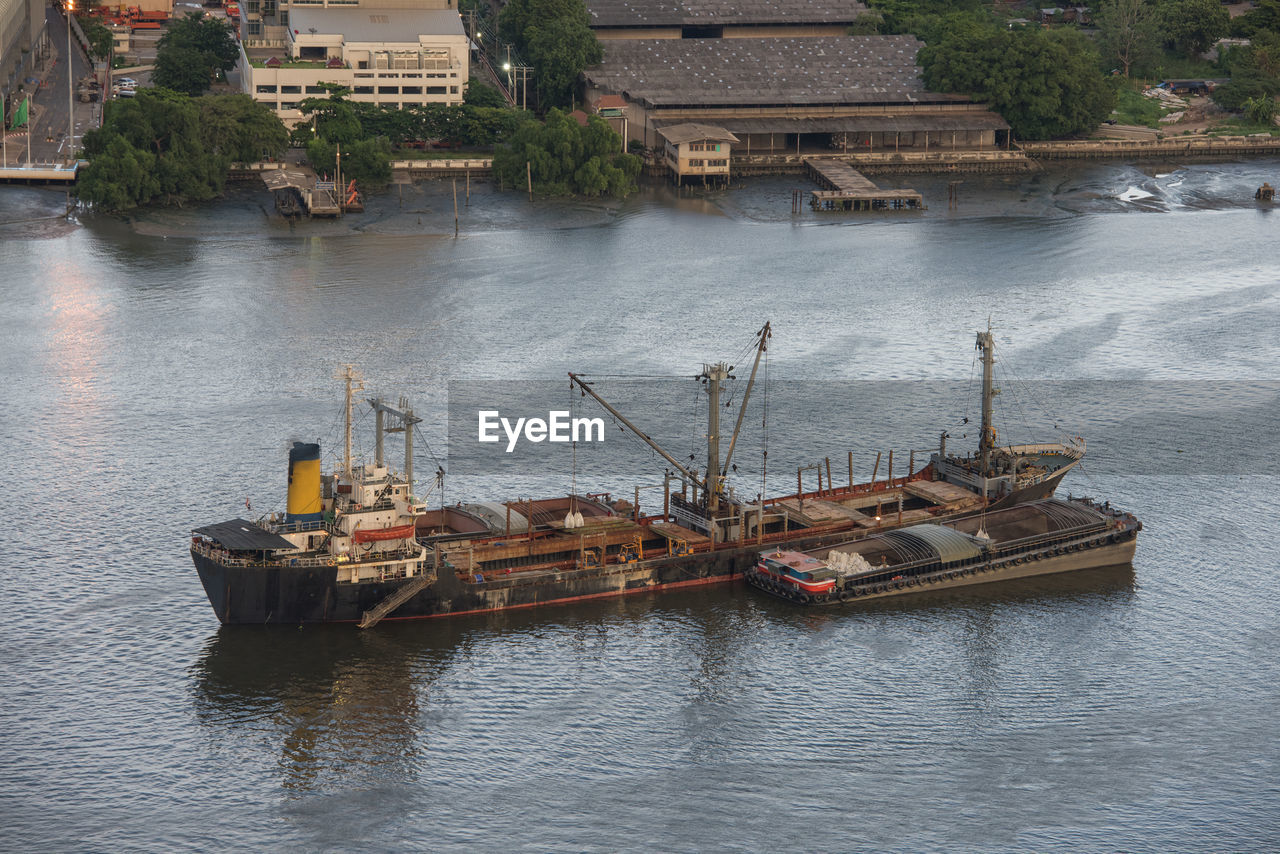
(266, 90)
(388, 90)
(436, 90)
(289, 105)
(290, 90)
(718, 163)
(453, 90)
(695, 163)
(317, 90)
(363, 90)
(253, 7)
(411, 90)
(284, 17)
(255, 28)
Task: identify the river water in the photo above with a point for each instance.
(156, 366)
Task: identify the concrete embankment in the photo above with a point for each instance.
(1190, 147)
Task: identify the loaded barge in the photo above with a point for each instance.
(1038, 538)
(358, 546)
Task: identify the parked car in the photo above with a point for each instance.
(126, 83)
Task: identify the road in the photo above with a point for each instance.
(49, 137)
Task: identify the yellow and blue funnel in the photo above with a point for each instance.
(304, 483)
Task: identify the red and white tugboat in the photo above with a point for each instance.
(795, 575)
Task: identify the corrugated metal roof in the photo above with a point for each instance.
(921, 541)
(782, 71)
(693, 132)
(960, 121)
(674, 13)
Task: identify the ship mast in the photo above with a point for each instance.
(987, 441)
(714, 375)
(354, 383)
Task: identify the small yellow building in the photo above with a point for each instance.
(696, 152)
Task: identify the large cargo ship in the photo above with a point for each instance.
(357, 546)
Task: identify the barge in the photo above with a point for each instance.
(1036, 538)
(358, 546)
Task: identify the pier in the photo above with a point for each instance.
(849, 190)
(297, 190)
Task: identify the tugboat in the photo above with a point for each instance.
(796, 573)
(1007, 475)
(358, 546)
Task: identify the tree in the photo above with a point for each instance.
(202, 47)
(556, 37)
(367, 161)
(334, 117)
(1255, 73)
(560, 48)
(1126, 32)
(100, 38)
(1265, 15)
(158, 131)
(1045, 83)
(1191, 26)
(564, 157)
(1261, 110)
(119, 177)
(182, 69)
(481, 94)
(240, 128)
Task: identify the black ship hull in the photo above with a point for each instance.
(291, 595)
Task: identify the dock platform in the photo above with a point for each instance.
(849, 190)
(297, 191)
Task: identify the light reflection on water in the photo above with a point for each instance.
(156, 368)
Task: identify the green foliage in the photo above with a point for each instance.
(334, 118)
(1045, 83)
(459, 126)
(931, 20)
(1126, 33)
(481, 94)
(1132, 108)
(1191, 26)
(567, 158)
(1255, 73)
(100, 38)
(556, 37)
(869, 23)
(366, 161)
(182, 69)
(193, 51)
(240, 128)
(1263, 17)
(1261, 110)
(165, 146)
(119, 176)
(560, 48)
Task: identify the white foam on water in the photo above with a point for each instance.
(1133, 194)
